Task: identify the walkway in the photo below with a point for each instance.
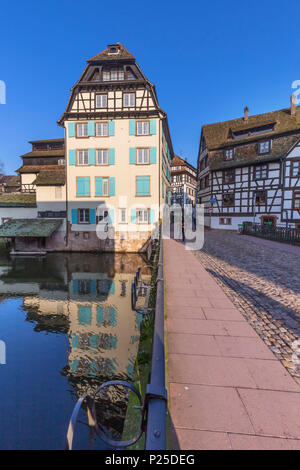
(226, 388)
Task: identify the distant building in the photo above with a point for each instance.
(249, 170)
(184, 181)
(9, 183)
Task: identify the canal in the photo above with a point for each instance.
(68, 326)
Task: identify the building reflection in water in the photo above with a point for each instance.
(88, 298)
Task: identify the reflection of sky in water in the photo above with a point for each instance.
(68, 326)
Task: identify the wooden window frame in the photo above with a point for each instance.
(138, 195)
(295, 160)
(78, 218)
(231, 149)
(77, 157)
(101, 94)
(96, 160)
(82, 176)
(231, 170)
(223, 219)
(273, 217)
(264, 142)
(258, 168)
(296, 197)
(126, 215)
(148, 216)
(136, 156)
(266, 194)
(103, 177)
(136, 127)
(101, 122)
(128, 93)
(76, 130)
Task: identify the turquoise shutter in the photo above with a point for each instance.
(75, 341)
(112, 186)
(151, 216)
(133, 216)
(152, 126)
(94, 341)
(132, 155)
(99, 190)
(84, 314)
(93, 287)
(74, 216)
(91, 156)
(111, 216)
(75, 286)
(92, 216)
(132, 127)
(72, 157)
(91, 128)
(83, 186)
(111, 128)
(153, 155)
(142, 185)
(71, 129)
(111, 156)
(112, 288)
(100, 315)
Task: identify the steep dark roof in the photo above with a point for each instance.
(29, 227)
(46, 141)
(38, 168)
(218, 135)
(45, 153)
(123, 54)
(50, 178)
(176, 161)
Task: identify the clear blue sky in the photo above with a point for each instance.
(207, 59)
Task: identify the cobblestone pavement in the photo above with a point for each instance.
(264, 284)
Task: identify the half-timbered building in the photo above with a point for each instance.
(249, 170)
(118, 150)
(184, 181)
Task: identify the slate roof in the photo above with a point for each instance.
(217, 135)
(106, 56)
(29, 227)
(50, 178)
(17, 200)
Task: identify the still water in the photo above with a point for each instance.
(68, 326)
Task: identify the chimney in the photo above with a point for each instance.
(293, 105)
(246, 111)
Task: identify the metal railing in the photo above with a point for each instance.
(270, 232)
(154, 406)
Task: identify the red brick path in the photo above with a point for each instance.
(226, 388)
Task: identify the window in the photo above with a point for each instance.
(82, 157)
(102, 157)
(260, 172)
(103, 286)
(113, 74)
(228, 154)
(128, 100)
(61, 161)
(142, 156)
(228, 199)
(207, 181)
(129, 74)
(296, 204)
(101, 101)
(84, 286)
(83, 216)
(58, 192)
(101, 129)
(264, 147)
(225, 221)
(295, 168)
(82, 130)
(105, 188)
(142, 216)
(229, 176)
(143, 185)
(260, 198)
(142, 127)
(122, 216)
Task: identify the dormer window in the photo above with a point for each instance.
(113, 50)
(228, 154)
(264, 147)
(113, 75)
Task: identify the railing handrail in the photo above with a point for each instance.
(156, 391)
